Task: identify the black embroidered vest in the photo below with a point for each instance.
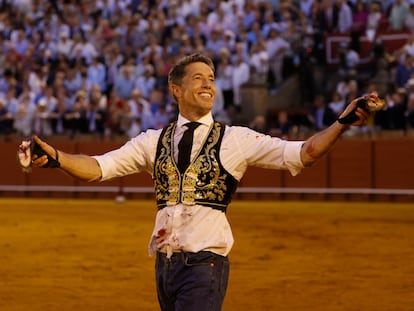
(205, 181)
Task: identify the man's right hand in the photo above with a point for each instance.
(44, 155)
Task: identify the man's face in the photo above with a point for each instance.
(196, 93)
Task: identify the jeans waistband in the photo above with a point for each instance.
(185, 255)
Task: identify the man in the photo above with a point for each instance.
(192, 236)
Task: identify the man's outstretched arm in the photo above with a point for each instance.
(319, 144)
(80, 166)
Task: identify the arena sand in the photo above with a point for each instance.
(90, 255)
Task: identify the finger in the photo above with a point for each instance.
(44, 146)
(362, 115)
(39, 161)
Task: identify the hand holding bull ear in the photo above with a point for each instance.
(360, 109)
(30, 150)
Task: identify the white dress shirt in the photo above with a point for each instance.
(196, 227)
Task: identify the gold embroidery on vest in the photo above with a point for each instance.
(167, 189)
(202, 181)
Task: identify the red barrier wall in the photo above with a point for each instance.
(351, 164)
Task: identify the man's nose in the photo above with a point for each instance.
(207, 83)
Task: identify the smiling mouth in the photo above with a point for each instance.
(205, 95)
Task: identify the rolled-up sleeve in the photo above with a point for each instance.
(292, 158)
(250, 148)
(134, 156)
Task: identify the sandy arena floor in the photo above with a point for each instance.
(90, 255)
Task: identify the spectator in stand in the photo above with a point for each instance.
(96, 74)
(49, 98)
(57, 116)
(277, 48)
(161, 117)
(162, 67)
(409, 20)
(398, 13)
(406, 49)
(64, 44)
(83, 50)
(72, 80)
(306, 7)
(269, 22)
(259, 62)
(37, 79)
(330, 12)
(75, 118)
(321, 115)
(97, 97)
(249, 14)
(241, 75)
(104, 33)
(215, 43)
(120, 116)
(214, 16)
(113, 60)
(404, 71)
(229, 40)
(142, 118)
(41, 119)
(141, 110)
(224, 78)
(146, 82)
(153, 48)
(282, 126)
(241, 51)
(349, 60)
(360, 18)
(254, 34)
(23, 122)
(47, 47)
(189, 7)
(375, 19)
(174, 16)
(124, 82)
(86, 85)
(409, 113)
(393, 116)
(96, 116)
(288, 10)
(259, 124)
(18, 38)
(337, 103)
(11, 102)
(344, 24)
(230, 17)
(137, 99)
(6, 118)
(353, 90)
(323, 19)
(218, 111)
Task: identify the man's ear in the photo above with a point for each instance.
(175, 90)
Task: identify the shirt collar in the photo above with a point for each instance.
(205, 120)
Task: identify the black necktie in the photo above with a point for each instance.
(185, 145)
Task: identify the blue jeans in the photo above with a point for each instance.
(191, 281)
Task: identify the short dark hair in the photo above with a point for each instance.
(177, 72)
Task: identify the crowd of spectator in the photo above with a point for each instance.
(100, 66)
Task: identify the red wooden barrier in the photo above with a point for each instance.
(351, 164)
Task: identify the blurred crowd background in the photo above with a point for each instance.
(100, 66)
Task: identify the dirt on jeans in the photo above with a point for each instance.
(92, 255)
